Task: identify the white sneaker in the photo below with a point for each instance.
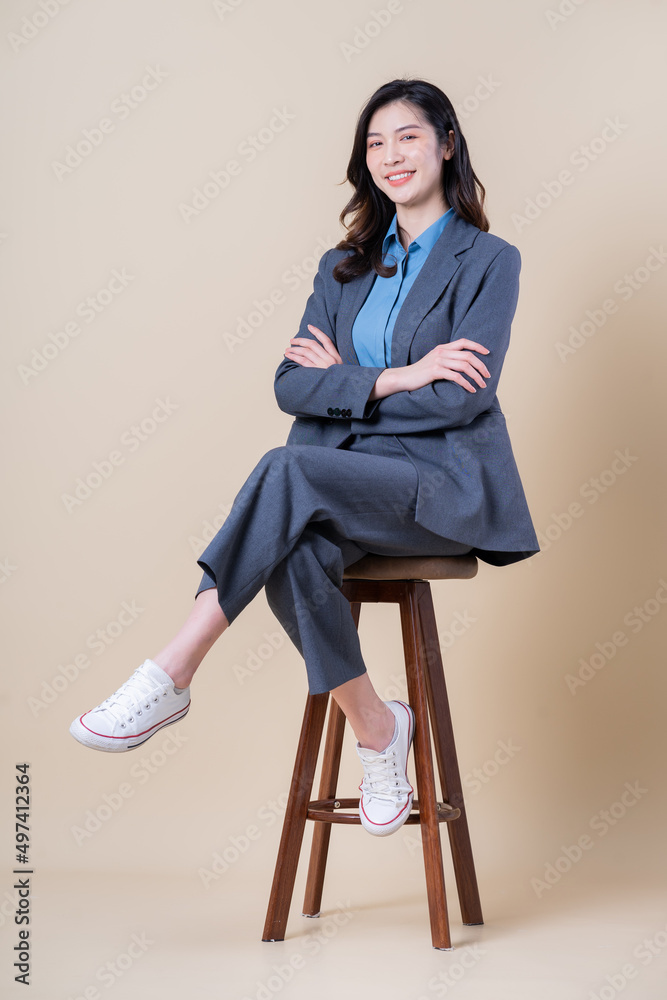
(139, 708)
(386, 793)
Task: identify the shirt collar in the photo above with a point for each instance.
(425, 240)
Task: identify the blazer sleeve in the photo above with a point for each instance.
(442, 404)
(340, 390)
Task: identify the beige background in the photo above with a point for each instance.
(546, 83)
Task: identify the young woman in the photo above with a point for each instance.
(398, 447)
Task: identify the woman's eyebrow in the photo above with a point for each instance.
(399, 129)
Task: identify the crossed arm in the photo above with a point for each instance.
(448, 387)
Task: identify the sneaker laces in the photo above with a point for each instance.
(382, 778)
(132, 696)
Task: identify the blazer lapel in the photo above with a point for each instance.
(353, 295)
(434, 276)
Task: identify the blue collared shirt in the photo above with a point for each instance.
(374, 324)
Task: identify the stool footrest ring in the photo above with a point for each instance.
(331, 811)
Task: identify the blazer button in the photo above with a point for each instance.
(329, 411)
(336, 411)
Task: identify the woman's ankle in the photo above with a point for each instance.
(377, 734)
(183, 654)
(180, 673)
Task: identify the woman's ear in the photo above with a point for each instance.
(449, 147)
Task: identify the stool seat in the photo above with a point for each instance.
(401, 580)
(374, 567)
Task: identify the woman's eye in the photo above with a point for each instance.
(377, 141)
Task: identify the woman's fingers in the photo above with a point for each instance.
(456, 376)
(466, 385)
(320, 334)
(469, 369)
(327, 343)
(303, 344)
(312, 352)
(470, 345)
(322, 350)
(306, 357)
(463, 347)
(457, 358)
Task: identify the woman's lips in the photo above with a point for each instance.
(401, 179)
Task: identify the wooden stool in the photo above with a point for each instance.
(402, 580)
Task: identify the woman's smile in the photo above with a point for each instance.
(395, 179)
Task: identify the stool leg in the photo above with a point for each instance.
(450, 778)
(295, 817)
(319, 850)
(415, 663)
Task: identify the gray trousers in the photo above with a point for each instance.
(304, 513)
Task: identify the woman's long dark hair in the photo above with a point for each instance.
(372, 209)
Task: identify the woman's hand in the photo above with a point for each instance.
(450, 361)
(312, 354)
(446, 361)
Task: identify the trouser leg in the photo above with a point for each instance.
(303, 514)
(289, 487)
(304, 594)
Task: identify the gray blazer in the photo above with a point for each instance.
(469, 485)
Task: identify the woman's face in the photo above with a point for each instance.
(403, 154)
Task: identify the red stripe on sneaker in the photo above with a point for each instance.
(410, 717)
(387, 822)
(133, 737)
